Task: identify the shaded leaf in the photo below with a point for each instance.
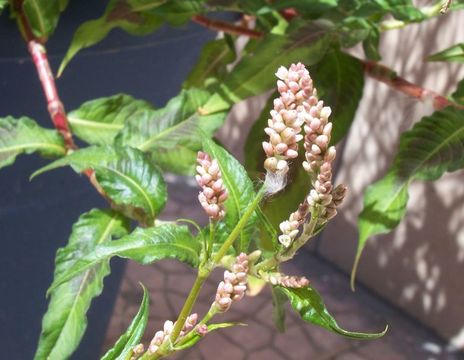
(131, 16)
(24, 136)
(458, 95)
(83, 159)
(135, 184)
(65, 320)
(211, 66)
(434, 145)
(454, 53)
(98, 121)
(240, 189)
(43, 15)
(308, 303)
(123, 347)
(144, 245)
(251, 76)
(278, 308)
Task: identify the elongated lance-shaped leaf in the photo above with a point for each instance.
(454, 53)
(144, 245)
(432, 147)
(250, 77)
(176, 127)
(24, 136)
(65, 320)
(87, 158)
(98, 121)
(134, 184)
(123, 347)
(240, 189)
(125, 14)
(309, 304)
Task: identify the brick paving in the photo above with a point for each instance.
(169, 282)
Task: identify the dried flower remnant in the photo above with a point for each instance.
(234, 286)
(213, 193)
(296, 88)
(163, 335)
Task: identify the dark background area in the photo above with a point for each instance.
(36, 217)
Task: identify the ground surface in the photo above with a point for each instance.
(169, 282)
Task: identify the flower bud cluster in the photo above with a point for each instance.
(213, 193)
(234, 286)
(338, 194)
(288, 281)
(295, 87)
(163, 335)
(289, 228)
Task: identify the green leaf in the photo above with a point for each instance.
(240, 189)
(135, 184)
(43, 15)
(432, 147)
(308, 303)
(125, 14)
(278, 308)
(65, 320)
(83, 159)
(24, 136)
(458, 95)
(253, 74)
(3, 4)
(98, 121)
(144, 245)
(452, 54)
(133, 334)
(178, 125)
(212, 65)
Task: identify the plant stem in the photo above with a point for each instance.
(388, 76)
(239, 227)
(212, 229)
(54, 104)
(218, 25)
(428, 11)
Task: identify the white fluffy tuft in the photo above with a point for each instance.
(274, 182)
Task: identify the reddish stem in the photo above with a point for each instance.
(373, 69)
(388, 76)
(218, 25)
(55, 106)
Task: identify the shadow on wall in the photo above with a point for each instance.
(418, 266)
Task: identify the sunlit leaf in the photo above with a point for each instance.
(144, 245)
(309, 304)
(65, 321)
(123, 347)
(454, 53)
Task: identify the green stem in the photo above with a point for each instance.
(209, 315)
(212, 228)
(239, 227)
(428, 11)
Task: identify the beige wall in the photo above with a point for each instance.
(419, 267)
